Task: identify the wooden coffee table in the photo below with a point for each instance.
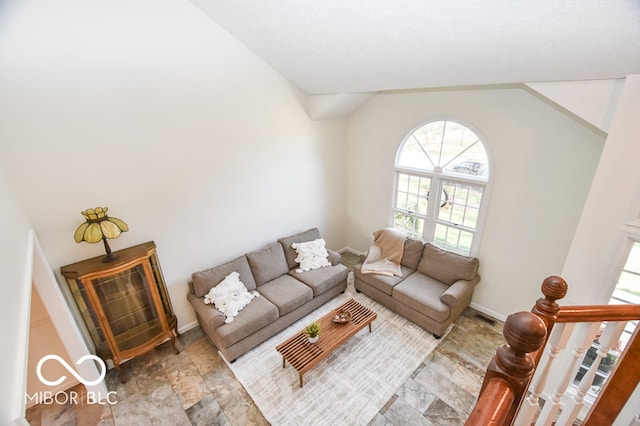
(303, 355)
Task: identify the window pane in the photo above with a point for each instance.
(403, 182)
(628, 287)
(453, 239)
(464, 206)
(470, 218)
(475, 197)
(473, 162)
(413, 193)
(414, 156)
(430, 138)
(412, 225)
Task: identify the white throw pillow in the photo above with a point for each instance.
(311, 255)
(230, 296)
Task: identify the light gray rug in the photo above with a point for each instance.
(351, 385)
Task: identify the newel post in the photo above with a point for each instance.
(553, 288)
(510, 370)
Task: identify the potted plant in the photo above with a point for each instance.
(607, 363)
(312, 331)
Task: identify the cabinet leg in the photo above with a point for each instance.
(173, 344)
(175, 327)
(121, 373)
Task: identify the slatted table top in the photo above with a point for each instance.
(303, 355)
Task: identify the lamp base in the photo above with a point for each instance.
(110, 257)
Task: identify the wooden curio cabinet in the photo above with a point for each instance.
(124, 303)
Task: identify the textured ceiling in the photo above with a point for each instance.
(348, 46)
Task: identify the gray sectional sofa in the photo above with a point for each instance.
(285, 295)
(435, 287)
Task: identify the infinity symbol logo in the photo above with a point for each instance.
(70, 369)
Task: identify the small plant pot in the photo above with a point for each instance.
(313, 339)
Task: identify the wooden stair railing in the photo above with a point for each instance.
(510, 370)
(619, 387)
(509, 374)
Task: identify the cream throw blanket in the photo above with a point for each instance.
(385, 253)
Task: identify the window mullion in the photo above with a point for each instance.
(434, 201)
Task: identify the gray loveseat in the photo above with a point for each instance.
(435, 287)
(285, 295)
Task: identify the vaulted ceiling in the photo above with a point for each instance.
(354, 46)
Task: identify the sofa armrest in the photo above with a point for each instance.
(458, 291)
(334, 257)
(211, 317)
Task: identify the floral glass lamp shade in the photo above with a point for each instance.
(99, 226)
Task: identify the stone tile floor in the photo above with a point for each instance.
(196, 387)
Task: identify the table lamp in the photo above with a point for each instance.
(99, 226)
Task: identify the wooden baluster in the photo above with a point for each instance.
(554, 404)
(512, 364)
(608, 339)
(556, 343)
(619, 386)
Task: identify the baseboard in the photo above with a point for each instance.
(488, 312)
(187, 327)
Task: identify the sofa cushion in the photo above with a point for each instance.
(422, 293)
(230, 296)
(323, 279)
(286, 293)
(412, 253)
(446, 266)
(311, 254)
(384, 283)
(289, 252)
(267, 263)
(203, 281)
(256, 315)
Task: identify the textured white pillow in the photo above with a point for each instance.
(230, 296)
(311, 255)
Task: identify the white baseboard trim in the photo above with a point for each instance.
(488, 312)
(188, 327)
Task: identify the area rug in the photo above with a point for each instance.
(351, 385)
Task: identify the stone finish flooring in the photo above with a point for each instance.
(196, 387)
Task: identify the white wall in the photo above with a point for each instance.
(602, 241)
(543, 164)
(15, 286)
(153, 110)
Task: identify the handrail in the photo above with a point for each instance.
(494, 404)
(598, 313)
(505, 383)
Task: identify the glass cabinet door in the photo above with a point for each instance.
(128, 307)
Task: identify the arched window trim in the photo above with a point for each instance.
(438, 175)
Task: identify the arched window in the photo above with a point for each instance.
(442, 173)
